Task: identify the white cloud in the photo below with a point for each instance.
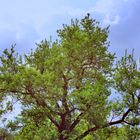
(26, 19)
(108, 20)
(110, 10)
(68, 10)
(42, 13)
(104, 6)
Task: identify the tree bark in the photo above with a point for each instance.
(61, 137)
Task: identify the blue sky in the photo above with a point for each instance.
(25, 22)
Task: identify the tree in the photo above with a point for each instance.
(66, 84)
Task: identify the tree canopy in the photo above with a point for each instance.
(65, 85)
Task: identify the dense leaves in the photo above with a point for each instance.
(64, 86)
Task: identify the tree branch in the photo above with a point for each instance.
(76, 121)
(104, 126)
(39, 102)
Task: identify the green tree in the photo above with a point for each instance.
(133, 133)
(66, 84)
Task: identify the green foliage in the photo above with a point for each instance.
(64, 86)
(4, 134)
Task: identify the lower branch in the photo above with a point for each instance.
(77, 120)
(122, 120)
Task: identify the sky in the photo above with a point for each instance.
(26, 22)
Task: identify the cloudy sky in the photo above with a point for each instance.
(25, 22)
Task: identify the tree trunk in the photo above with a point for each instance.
(61, 137)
